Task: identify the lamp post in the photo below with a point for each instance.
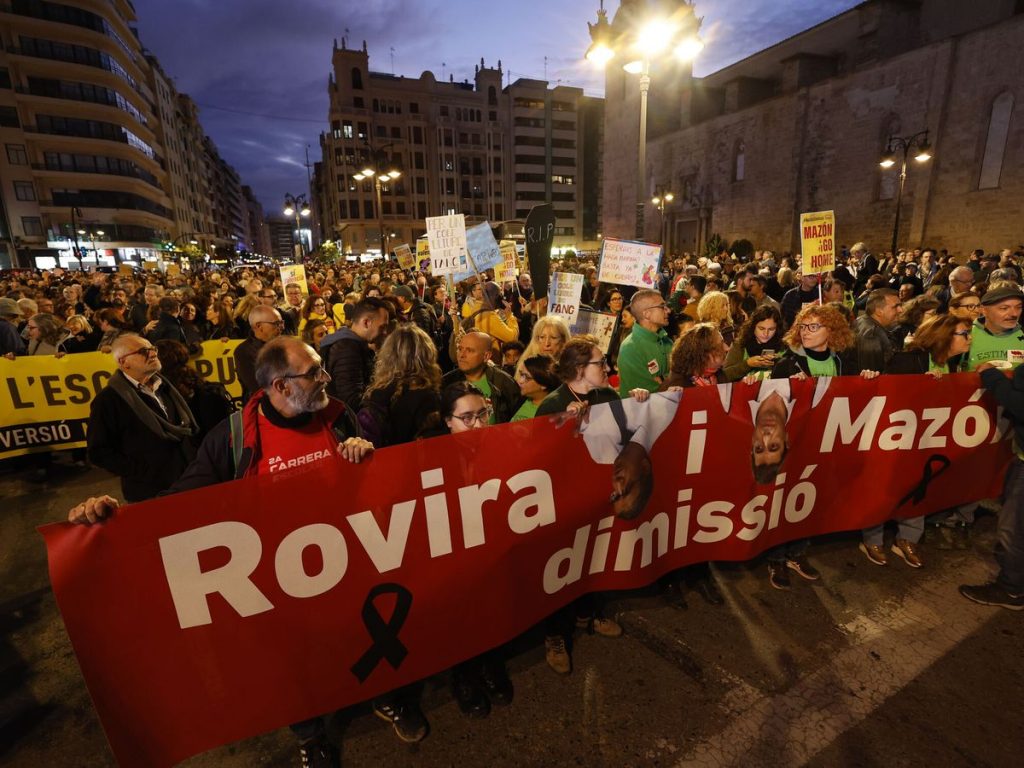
(380, 173)
(297, 207)
(661, 198)
(906, 144)
(74, 234)
(91, 234)
(640, 40)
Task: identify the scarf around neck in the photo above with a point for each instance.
(153, 421)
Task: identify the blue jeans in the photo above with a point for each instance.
(1010, 552)
(910, 528)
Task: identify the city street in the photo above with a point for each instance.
(869, 667)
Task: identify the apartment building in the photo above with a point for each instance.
(481, 149)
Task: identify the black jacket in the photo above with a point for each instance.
(505, 396)
(245, 365)
(795, 361)
(349, 360)
(168, 327)
(120, 443)
(875, 345)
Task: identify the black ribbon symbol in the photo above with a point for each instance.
(384, 634)
(919, 491)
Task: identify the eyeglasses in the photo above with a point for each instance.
(602, 362)
(312, 374)
(524, 376)
(656, 306)
(964, 334)
(277, 323)
(971, 307)
(810, 327)
(469, 419)
(269, 296)
(144, 351)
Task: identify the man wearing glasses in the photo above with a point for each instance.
(140, 427)
(265, 324)
(643, 357)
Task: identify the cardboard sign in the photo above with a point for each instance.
(629, 262)
(564, 295)
(404, 254)
(294, 274)
(540, 234)
(173, 270)
(150, 265)
(601, 325)
(447, 237)
(423, 254)
(506, 270)
(125, 270)
(818, 242)
(484, 252)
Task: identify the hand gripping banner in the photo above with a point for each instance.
(218, 614)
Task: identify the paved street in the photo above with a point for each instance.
(873, 666)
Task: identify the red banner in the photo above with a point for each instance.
(215, 615)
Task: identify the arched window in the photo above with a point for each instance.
(357, 79)
(739, 163)
(995, 142)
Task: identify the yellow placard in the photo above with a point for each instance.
(509, 262)
(49, 397)
(818, 242)
(406, 258)
(125, 270)
(423, 254)
(173, 270)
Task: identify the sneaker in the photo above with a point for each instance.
(944, 537)
(496, 682)
(778, 576)
(803, 568)
(993, 594)
(599, 625)
(469, 694)
(557, 655)
(874, 553)
(319, 753)
(407, 718)
(908, 552)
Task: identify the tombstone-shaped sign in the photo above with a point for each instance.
(540, 233)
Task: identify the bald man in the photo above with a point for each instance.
(265, 323)
(472, 355)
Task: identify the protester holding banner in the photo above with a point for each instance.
(537, 379)
(643, 357)
(79, 335)
(757, 345)
(874, 340)
(696, 358)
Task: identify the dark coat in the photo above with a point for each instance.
(505, 395)
(245, 365)
(795, 361)
(875, 345)
(349, 360)
(560, 399)
(167, 328)
(120, 443)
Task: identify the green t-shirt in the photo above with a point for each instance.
(822, 367)
(934, 367)
(485, 389)
(526, 411)
(986, 347)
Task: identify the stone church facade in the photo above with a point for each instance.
(802, 125)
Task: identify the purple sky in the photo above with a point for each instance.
(272, 57)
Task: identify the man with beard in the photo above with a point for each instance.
(290, 424)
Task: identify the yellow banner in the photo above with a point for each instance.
(406, 258)
(423, 254)
(45, 400)
(818, 242)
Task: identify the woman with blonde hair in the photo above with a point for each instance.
(714, 307)
(79, 335)
(403, 399)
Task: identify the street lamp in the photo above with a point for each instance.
(92, 235)
(671, 26)
(907, 144)
(381, 173)
(299, 208)
(661, 198)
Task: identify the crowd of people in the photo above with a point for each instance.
(375, 356)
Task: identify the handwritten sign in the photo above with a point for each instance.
(601, 325)
(423, 254)
(404, 254)
(629, 262)
(564, 295)
(447, 236)
(509, 262)
(818, 242)
(484, 252)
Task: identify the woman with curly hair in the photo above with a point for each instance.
(403, 399)
(715, 308)
(758, 343)
(314, 308)
(696, 358)
(314, 333)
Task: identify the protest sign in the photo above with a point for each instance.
(423, 254)
(818, 242)
(46, 400)
(150, 265)
(629, 262)
(294, 274)
(506, 270)
(242, 619)
(125, 270)
(600, 325)
(564, 295)
(173, 270)
(540, 234)
(404, 254)
(484, 252)
(447, 237)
